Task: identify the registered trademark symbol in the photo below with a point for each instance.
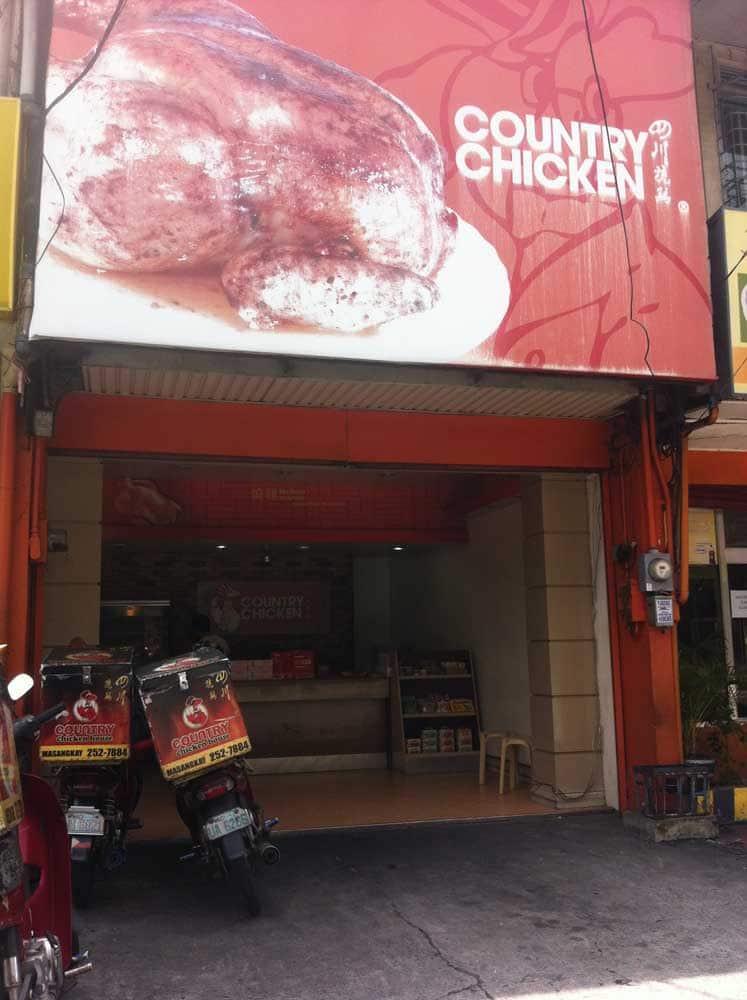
(684, 207)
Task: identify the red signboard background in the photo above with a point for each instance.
(566, 256)
(271, 608)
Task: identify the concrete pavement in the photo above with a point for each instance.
(575, 907)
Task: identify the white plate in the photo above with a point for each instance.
(84, 821)
(192, 311)
(227, 822)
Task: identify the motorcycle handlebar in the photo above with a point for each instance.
(28, 727)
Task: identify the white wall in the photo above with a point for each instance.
(473, 596)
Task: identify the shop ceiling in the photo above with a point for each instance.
(215, 377)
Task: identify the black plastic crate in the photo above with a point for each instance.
(674, 789)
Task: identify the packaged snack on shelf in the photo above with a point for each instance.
(446, 740)
(463, 705)
(409, 705)
(414, 746)
(454, 667)
(464, 738)
(429, 738)
(443, 704)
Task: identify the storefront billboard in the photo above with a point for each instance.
(429, 181)
(728, 252)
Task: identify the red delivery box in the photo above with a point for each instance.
(194, 718)
(94, 684)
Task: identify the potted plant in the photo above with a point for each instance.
(708, 725)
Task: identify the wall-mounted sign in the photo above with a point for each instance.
(413, 182)
(271, 608)
(10, 137)
(739, 603)
(702, 537)
(728, 248)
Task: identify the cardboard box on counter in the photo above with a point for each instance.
(251, 670)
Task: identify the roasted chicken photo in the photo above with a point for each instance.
(199, 141)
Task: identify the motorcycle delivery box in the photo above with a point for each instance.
(11, 796)
(194, 718)
(94, 683)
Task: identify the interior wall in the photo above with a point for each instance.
(72, 578)
(168, 573)
(472, 596)
(372, 608)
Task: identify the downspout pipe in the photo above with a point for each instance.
(36, 38)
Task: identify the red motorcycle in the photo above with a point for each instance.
(36, 928)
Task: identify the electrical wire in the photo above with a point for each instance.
(92, 61)
(744, 254)
(61, 216)
(598, 79)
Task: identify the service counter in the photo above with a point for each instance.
(321, 724)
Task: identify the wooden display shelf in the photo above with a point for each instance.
(438, 715)
(402, 723)
(435, 677)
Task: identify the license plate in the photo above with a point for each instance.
(84, 821)
(227, 822)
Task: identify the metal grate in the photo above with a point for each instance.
(731, 99)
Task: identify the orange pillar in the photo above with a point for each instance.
(639, 517)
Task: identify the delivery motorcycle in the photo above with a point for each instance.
(89, 753)
(36, 932)
(201, 743)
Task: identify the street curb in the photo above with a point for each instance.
(730, 804)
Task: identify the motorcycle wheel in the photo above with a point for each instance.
(239, 873)
(82, 877)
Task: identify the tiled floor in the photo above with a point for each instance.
(340, 799)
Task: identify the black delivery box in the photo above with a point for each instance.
(94, 684)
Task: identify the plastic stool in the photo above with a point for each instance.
(509, 744)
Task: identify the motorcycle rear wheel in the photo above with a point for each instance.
(239, 872)
(82, 878)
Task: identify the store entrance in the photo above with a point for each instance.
(375, 619)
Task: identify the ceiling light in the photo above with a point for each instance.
(220, 546)
(398, 548)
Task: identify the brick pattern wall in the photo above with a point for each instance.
(144, 573)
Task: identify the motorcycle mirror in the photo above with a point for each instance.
(19, 686)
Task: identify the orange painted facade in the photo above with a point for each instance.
(636, 509)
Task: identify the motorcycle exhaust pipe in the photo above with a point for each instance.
(269, 854)
(78, 970)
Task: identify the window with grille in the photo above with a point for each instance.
(731, 97)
